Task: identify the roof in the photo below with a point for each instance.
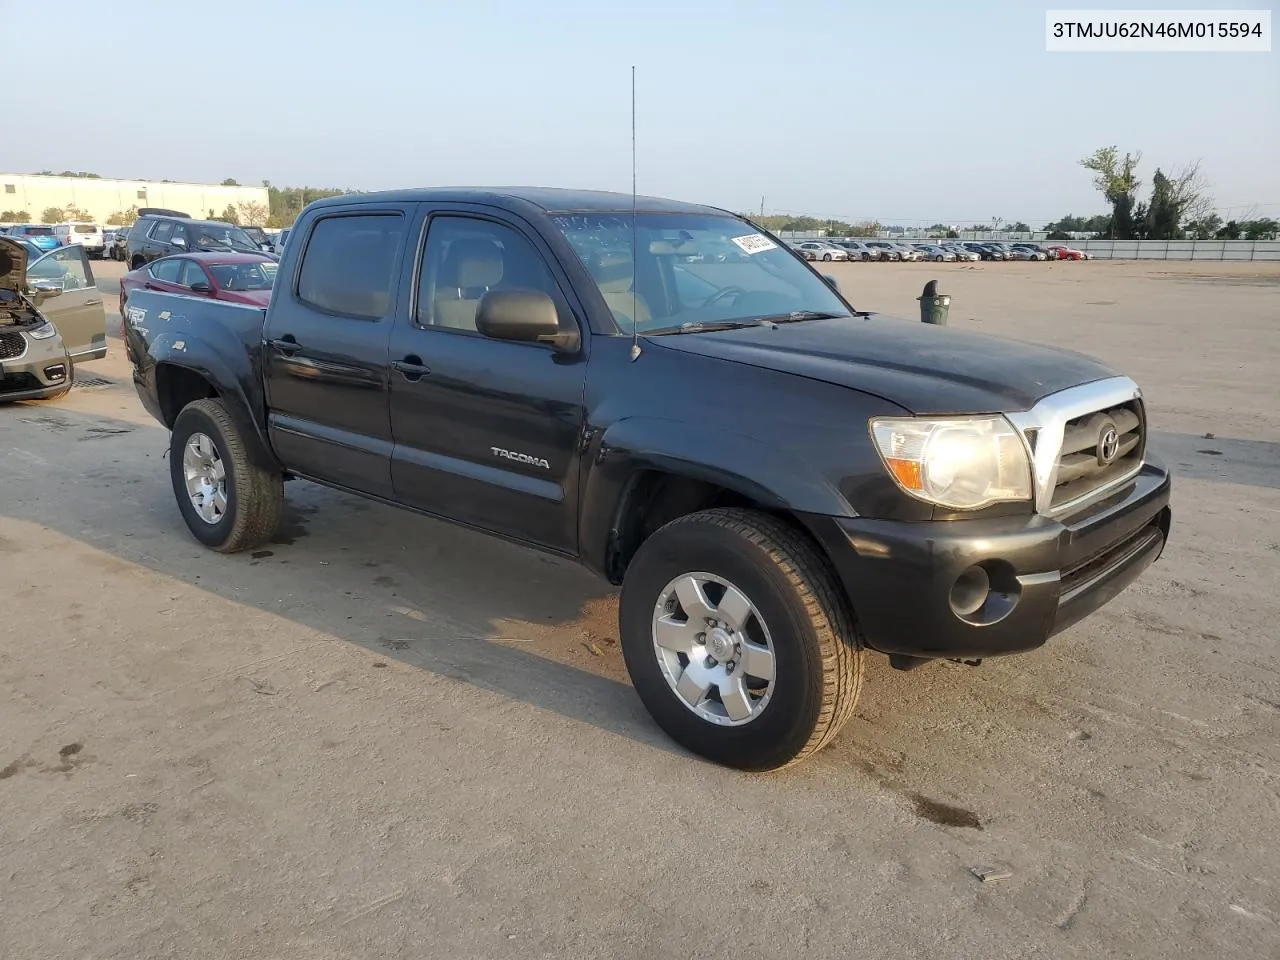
(548, 199)
(222, 256)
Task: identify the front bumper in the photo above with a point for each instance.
(43, 371)
(1045, 574)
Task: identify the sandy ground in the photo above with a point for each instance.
(385, 736)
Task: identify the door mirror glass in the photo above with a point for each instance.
(527, 316)
(201, 286)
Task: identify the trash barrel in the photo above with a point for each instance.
(934, 304)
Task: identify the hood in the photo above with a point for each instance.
(13, 265)
(923, 368)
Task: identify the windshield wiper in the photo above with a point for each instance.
(796, 316)
(697, 326)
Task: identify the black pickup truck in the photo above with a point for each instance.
(780, 483)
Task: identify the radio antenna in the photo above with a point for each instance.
(635, 320)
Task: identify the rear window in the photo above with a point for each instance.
(348, 263)
(38, 231)
(86, 228)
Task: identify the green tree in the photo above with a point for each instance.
(952, 235)
(230, 215)
(1117, 178)
(51, 215)
(123, 218)
(1018, 227)
(1264, 229)
(1228, 231)
(1205, 227)
(15, 216)
(230, 182)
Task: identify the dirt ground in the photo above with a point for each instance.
(384, 736)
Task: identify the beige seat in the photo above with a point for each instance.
(470, 268)
(614, 277)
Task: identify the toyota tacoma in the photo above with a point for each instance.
(780, 483)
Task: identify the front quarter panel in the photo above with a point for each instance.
(783, 441)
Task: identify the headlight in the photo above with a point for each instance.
(963, 464)
(43, 332)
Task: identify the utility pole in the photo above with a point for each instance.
(762, 205)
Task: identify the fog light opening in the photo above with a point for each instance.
(57, 371)
(969, 592)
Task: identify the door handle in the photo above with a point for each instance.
(410, 368)
(286, 345)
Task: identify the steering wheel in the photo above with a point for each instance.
(722, 294)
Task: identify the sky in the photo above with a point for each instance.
(902, 112)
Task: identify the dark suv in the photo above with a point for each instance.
(155, 236)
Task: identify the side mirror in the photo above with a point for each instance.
(47, 290)
(526, 316)
(178, 242)
(831, 282)
(201, 287)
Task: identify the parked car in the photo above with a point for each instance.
(962, 253)
(277, 245)
(985, 250)
(1018, 252)
(51, 318)
(522, 385)
(1063, 252)
(234, 277)
(1049, 254)
(259, 236)
(857, 250)
(87, 235)
(822, 250)
(113, 241)
(908, 252)
(41, 234)
(935, 253)
(888, 251)
(155, 236)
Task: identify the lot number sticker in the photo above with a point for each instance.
(754, 243)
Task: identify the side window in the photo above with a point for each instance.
(192, 272)
(167, 269)
(464, 259)
(162, 231)
(66, 266)
(348, 264)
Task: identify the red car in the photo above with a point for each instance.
(237, 277)
(1068, 253)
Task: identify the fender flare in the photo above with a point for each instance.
(181, 350)
(725, 458)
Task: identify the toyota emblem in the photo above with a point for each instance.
(1108, 444)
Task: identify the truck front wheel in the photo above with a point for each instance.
(738, 640)
(229, 502)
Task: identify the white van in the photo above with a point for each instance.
(88, 235)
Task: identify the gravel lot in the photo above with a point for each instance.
(386, 736)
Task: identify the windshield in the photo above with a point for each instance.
(244, 276)
(692, 269)
(223, 235)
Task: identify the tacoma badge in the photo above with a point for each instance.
(521, 458)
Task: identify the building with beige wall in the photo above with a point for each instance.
(101, 198)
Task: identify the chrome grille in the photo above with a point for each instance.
(1063, 427)
(12, 346)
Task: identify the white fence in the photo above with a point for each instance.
(1180, 249)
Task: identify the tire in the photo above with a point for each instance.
(826, 258)
(939, 258)
(253, 494)
(797, 610)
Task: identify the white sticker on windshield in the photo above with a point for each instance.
(754, 243)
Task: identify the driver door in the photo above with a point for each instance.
(77, 311)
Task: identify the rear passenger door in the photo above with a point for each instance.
(325, 355)
(486, 431)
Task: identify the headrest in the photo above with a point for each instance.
(472, 263)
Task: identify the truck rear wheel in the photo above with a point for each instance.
(229, 502)
(738, 640)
